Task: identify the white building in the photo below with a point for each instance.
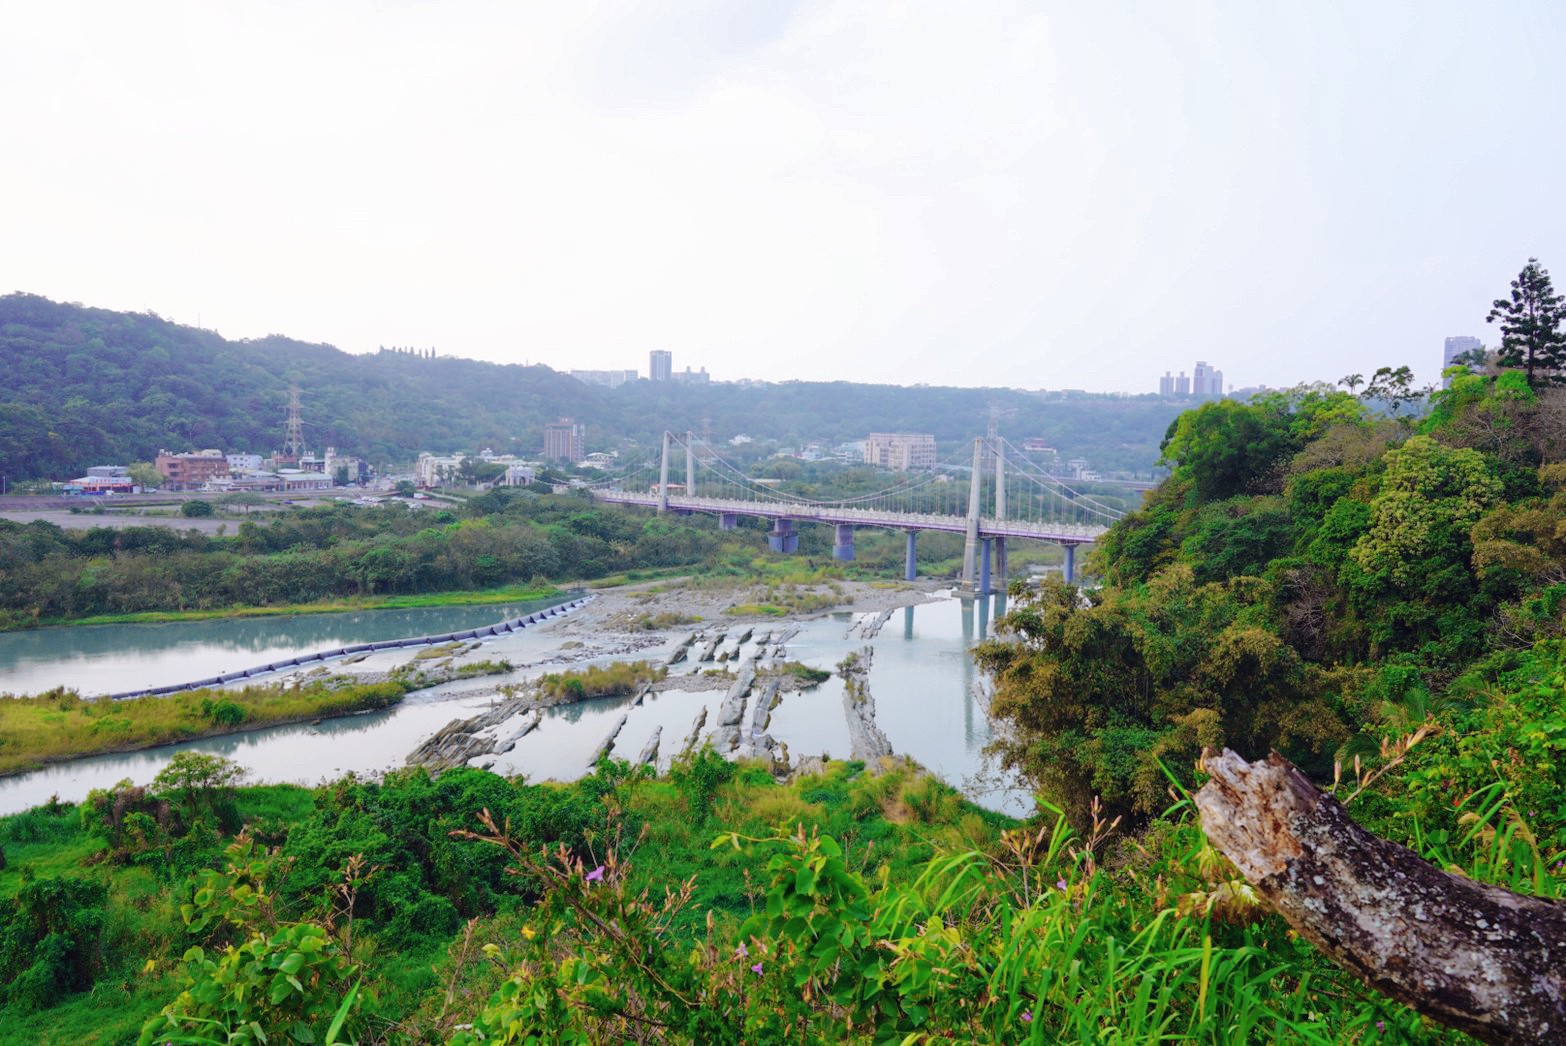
(244, 462)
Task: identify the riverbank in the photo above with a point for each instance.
(61, 726)
(484, 597)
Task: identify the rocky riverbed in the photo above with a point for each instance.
(704, 637)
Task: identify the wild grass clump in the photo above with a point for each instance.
(621, 677)
(664, 620)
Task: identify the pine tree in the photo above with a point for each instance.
(1531, 334)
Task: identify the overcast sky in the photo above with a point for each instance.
(1076, 195)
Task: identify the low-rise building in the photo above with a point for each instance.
(901, 451)
(300, 480)
(612, 379)
(104, 479)
(193, 470)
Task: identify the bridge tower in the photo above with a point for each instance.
(690, 465)
(970, 549)
(1000, 510)
(663, 476)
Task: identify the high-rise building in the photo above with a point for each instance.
(660, 364)
(1455, 347)
(900, 450)
(1207, 380)
(1458, 345)
(1182, 385)
(1166, 386)
(564, 440)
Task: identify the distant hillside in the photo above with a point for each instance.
(89, 386)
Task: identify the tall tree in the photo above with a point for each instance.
(1531, 334)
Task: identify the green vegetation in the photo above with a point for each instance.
(802, 672)
(1379, 596)
(360, 892)
(504, 546)
(87, 386)
(60, 724)
(621, 677)
(483, 597)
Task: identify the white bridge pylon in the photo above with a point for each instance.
(912, 505)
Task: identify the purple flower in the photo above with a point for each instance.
(756, 969)
(741, 952)
(596, 874)
(1061, 885)
(1381, 1025)
(1027, 1016)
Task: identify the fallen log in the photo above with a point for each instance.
(1473, 956)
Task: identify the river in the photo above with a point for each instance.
(922, 678)
(104, 659)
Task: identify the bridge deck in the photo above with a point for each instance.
(1060, 533)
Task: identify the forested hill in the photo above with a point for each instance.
(90, 386)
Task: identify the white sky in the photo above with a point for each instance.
(1060, 195)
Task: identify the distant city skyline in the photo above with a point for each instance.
(994, 193)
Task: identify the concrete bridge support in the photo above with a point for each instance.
(1070, 569)
(728, 521)
(1002, 578)
(783, 538)
(910, 567)
(843, 546)
(984, 567)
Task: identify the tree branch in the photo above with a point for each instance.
(1471, 955)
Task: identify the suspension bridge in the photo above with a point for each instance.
(1020, 502)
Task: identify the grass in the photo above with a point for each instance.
(60, 724)
(482, 597)
(622, 677)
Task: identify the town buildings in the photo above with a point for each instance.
(1206, 380)
(902, 451)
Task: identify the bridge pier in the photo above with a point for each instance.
(1001, 573)
(910, 568)
(843, 546)
(728, 521)
(984, 566)
(1070, 568)
(783, 538)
